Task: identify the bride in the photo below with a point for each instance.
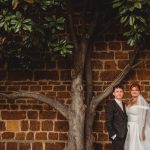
(138, 112)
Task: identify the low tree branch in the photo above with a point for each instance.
(52, 102)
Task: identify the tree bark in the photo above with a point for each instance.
(76, 116)
(52, 102)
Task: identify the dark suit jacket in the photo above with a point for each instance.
(116, 119)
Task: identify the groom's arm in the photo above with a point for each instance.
(109, 120)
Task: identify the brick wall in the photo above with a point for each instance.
(27, 124)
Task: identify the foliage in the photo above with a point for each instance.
(37, 26)
(134, 14)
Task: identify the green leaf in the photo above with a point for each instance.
(123, 19)
(15, 3)
(2, 24)
(131, 20)
(69, 46)
(118, 4)
(138, 5)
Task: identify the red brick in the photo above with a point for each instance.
(30, 136)
(108, 146)
(47, 126)
(47, 115)
(53, 136)
(97, 88)
(110, 65)
(2, 146)
(2, 126)
(114, 46)
(143, 74)
(54, 146)
(37, 107)
(24, 146)
(13, 88)
(63, 94)
(8, 135)
(24, 125)
(125, 46)
(49, 75)
(103, 137)
(63, 136)
(98, 146)
(51, 94)
(4, 107)
(59, 88)
(24, 88)
(13, 115)
(32, 101)
(35, 88)
(47, 87)
(122, 63)
(95, 75)
(121, 55)
(34, 125)
(14, 107)
(109, 75)
(25, 107)
(37, 146)
(32, 114)
(41, 136)
(20, 136)
(97, 64)
(60, 117)
(21, 101)
(98, 126)
(103, 55)
(19, 75)
(61, 126)
(65, 75)
(2, 88)
(101, 46)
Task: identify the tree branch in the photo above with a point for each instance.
(52, 102)
(96, 100)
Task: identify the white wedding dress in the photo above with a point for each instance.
(138, 117)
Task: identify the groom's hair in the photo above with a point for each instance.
(118, 87)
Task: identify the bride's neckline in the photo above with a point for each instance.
(135, 104)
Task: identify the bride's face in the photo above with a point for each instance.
(135, 92)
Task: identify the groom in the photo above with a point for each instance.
(116, 119)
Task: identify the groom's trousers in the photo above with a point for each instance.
(118, 143)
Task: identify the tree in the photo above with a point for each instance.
(19, 21)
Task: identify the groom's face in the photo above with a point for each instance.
(118, 93)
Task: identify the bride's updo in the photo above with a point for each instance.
(136, 85)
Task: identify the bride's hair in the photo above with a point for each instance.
(135, 85)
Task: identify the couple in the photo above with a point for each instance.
(128, 124)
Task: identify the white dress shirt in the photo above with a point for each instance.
(119, 102)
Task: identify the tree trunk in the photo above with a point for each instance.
(76, 116)
(89, 128)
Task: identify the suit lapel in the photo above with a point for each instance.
(118, 107)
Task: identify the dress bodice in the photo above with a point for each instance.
(132, 113)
